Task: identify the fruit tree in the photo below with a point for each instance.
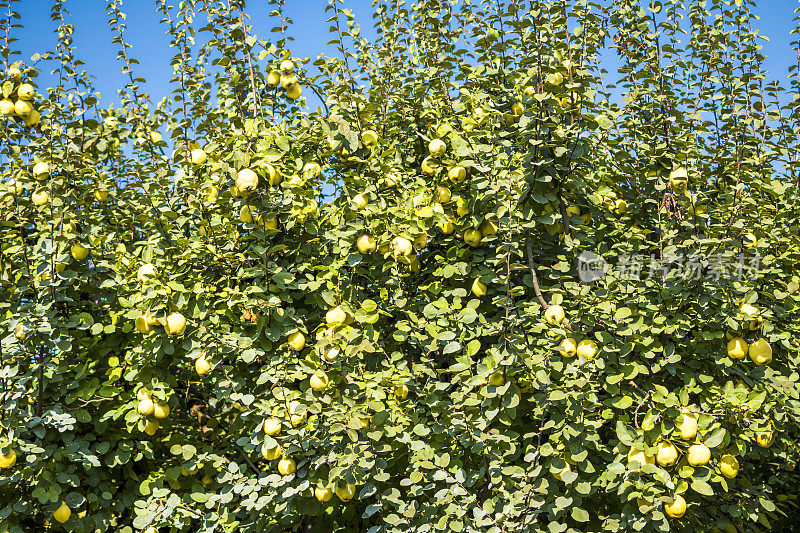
(482, 266)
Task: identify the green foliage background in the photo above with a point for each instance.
(456, 454)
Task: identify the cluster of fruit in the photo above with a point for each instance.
(22, 108)
(286, 78)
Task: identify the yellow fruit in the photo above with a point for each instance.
(555, 78)
(761, 352)
(729, 466)
(210, 194)
(517, 109)
(554, 314)
(288, 81)
(274, 78)
(756, 323)
(175, 324)
(401, 391)
(8, 460)
(150, 427)
(145, 407)
(202, 366)
(323, 494)
(420, 241)
(23, 108)
(366, 244)
(40, 198)
(79, 252)
(488, 228)
(270, 454)
(737, 348)
(63, 513)
(461, 207)
(638, 458)
(143, 324)
(667, 453)
(25, 91)
(679, 179)
(360, 201)
(447, 226)
(427, 168)
(297, 341)
(273, 177)
(160, 410)
(346, 493)
(294, 416)
(287, 466)
(472, 237)
(287, 67)
(478, 288)
(335, 316)
(20, 333)
(14, 74)
(686, 424)
(442, 195)
(145, 273)
(6, 107)
(246, 180)
(497, 379)
(588, 349)
(765, 439)
(155, 137)
(369, 138)
(457, 174)
(698, 455)
(41, 170)
(199, 157)
(437, 148)
(401, 247)
(294, 92)
(319, 380)
(142, 394)
(676, 507)
(568, 347)
(272, 426)
(33, 119)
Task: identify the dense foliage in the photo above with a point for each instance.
(226, 311)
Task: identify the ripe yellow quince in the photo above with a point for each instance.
(6, 107)
(160, 410)
(427, 168)
(319, 380)
(14, 74)
(679, 179)
(295, 417)
(346, 492)
(323, 494)
(686, 424)
(667, 453)
(638, 458)
(63, 513)
(587, 348)
(437, 148)
(41, 170)
(25, 91)
(287, 466)
(79, 252)
(274, 77)
(568, 347)
(23, 108)
(478, 288)
(294, 92)
(246, 181)
(360, 201)
(488, 228)
(145, 407)
(698, 455)
(457, 174)
(272, 426)
(199, 156)
(761, 352)
(401, 247)
(369, 138)
(40, 198)
(554, 315)
(442, 195)
(271, 453)
(8, 460)
(20, 333)
(297, 341)
(737, 348)
(517, 109)
(676, 508)
(472, 237)
(151, 426)
(202, 366)
(366, 244)
(729, 466)
(175, 324)
(335, 316)
(765, 438)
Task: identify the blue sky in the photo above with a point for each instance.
(150, 44)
